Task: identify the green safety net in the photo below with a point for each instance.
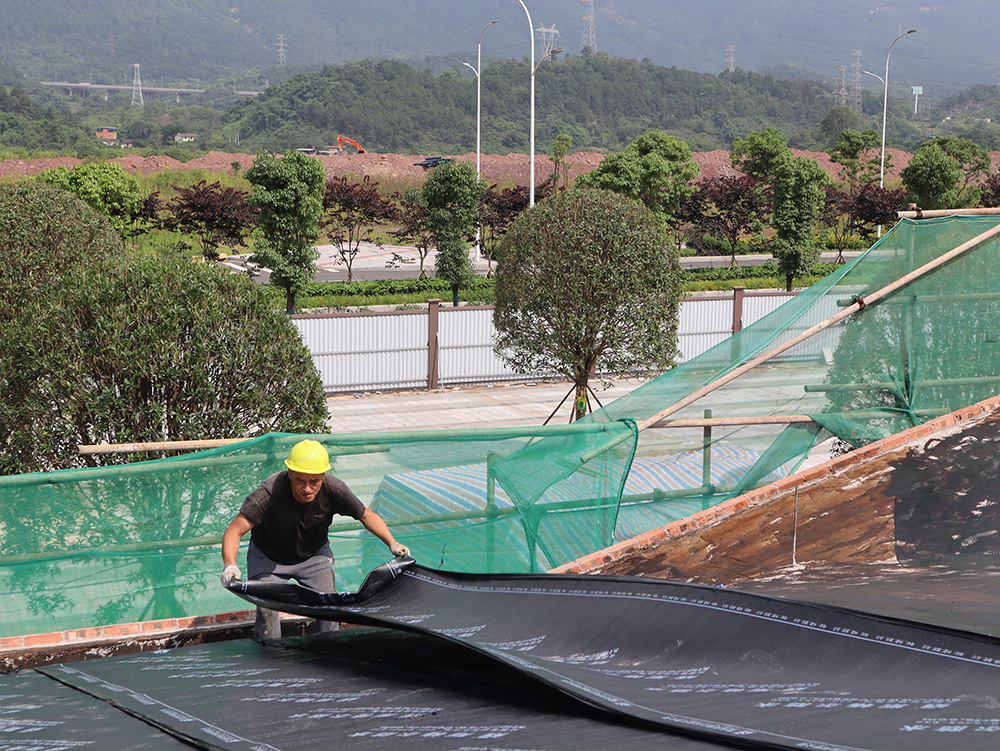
(929, 348)
(137, 542)
(141, 541)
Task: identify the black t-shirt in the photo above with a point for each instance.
(289, 532)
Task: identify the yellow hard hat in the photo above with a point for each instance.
(308, 457)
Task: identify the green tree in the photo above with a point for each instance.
(758, 154)
(560, 169)
(287, 192)
(412, 216)
(837, 120)
(451, 197)
(859, 156)
(975, 164)
(143, 348)
(932, 177)
(44, 232)
(655, 168)
(797, 192)
(588, 280)
(104, 186)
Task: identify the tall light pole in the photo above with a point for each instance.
(531, 126)
(885, 107)
(885, 100)
(479, 93)
(479, 117)
(534, 69)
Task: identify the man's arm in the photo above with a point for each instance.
(232, 536)
(377, 526)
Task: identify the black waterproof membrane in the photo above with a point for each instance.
(357, 690)
(38, 714)
(727, 667)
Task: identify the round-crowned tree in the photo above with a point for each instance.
(44, 232)
(589, 282)
(142, 348)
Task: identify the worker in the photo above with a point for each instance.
(288, 517)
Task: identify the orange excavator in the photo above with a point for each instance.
(341, 140)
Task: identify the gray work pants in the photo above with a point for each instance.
(315, 573)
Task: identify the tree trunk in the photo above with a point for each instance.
(580, 402)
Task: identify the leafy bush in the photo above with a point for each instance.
(147, 349)
(44, 232)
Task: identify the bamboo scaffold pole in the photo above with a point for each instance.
(858, 305)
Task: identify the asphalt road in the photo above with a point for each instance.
(403, 262)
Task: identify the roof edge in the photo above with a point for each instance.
(597, 561)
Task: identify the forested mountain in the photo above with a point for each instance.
(25, 124)
(198, 41)
(601, 102)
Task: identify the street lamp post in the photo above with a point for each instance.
(885, 100)
(531, 126)
(479, 93)
(479, 113)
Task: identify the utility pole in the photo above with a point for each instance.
(549, 37)
(281, 50)
(590, 27)
(840, 92)
(136, 87)
(856, 88)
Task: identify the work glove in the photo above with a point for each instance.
(230, 573)
(399, 550)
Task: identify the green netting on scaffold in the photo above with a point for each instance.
(142, 541)
(925, 349)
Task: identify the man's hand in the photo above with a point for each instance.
(399, 550)
(230, 573)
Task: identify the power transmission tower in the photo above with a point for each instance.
(731, 58)
(590, 27)
(136, 87)
(281, 50)
(840, 92)
(549, 37)
(856, 88)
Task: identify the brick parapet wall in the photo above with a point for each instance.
(119, 631)
(595, 562)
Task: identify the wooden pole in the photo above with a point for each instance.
(938, 213)
(129, 448)
(858, 305)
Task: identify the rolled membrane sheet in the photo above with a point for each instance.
(719, 664)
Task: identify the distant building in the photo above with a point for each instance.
(185, 137)
(107, 136)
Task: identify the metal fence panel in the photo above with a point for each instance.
(390, 349)
(757, 306)
(465, 348)
(368, 352)
(703, 322)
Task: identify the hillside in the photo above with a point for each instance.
(199, 41)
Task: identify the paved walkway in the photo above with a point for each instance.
(498, 406)
(403, 262)
(501, 405)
